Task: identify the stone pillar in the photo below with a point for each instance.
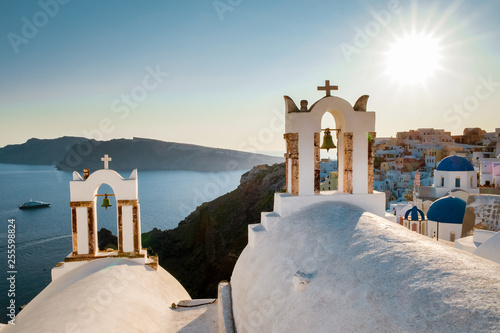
(129, 226)
(292, 140)
(90, 217)
(348, 151)
(317, 164)
(371, 159)
(135, 223)
(89, 222)
(74, 230)
(120, 228)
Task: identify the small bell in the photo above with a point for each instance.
(105, 202)
(328, 141)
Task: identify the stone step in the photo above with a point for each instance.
(269, 219)
(255, 233)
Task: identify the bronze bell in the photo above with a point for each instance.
(105, 202)
(328, 141)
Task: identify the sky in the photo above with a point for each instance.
(214, 73)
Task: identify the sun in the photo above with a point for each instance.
(413, 58)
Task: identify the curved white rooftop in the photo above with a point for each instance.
(333, 267)
(106, 295)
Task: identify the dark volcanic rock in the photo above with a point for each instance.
(204, 248)
(147, 154)
(106, 240)
(37, 151)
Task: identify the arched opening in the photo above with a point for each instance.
(471, 182)
(328, 163)
(457, 182)
(107, 222)
(442, 181)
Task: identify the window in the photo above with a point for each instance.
(470, 181)
(442, 181)
(457, 182)
(452, 236)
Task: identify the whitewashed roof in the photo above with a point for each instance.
(111, 295)
(334, 267)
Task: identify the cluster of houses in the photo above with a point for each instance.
(436, 184)
(414, 156)
(440, 185)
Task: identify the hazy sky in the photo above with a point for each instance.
(214, 72)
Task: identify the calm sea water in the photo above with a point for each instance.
(43, 236)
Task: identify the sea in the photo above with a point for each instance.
(43, 236)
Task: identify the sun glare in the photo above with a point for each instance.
(413, 58)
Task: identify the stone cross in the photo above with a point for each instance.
(328, 87)
(106, 160)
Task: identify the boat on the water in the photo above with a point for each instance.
(34, 204)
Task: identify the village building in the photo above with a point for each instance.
(331, 182)
(470, 136)
(445, 217)
(453, 172)
(489, 172)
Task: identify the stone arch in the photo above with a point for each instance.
(355, 158)
(84, 215)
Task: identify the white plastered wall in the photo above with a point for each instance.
(347, 120)
(445, 230)
(85, 190)
(449, 181)
(128, 235)
(82, 230)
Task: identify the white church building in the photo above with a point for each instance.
(454, 175)
(320, 262)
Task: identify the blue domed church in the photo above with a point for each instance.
(452, 173)
(445, 218)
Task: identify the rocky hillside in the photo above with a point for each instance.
(38, 151)
(204, 248)
(76, 153)
(148, 154)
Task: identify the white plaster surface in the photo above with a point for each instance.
(481, 236)
(465, 244)
(82, 230)
(124, 189)
(127, 229)
(490, 249)
(445, 230)
(286, 204)
(367, 274)
(57, 272)
(113, 295)
(225, 308)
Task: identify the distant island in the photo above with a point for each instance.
(75, 153)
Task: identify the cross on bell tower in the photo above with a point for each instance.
(328, 87)
(106, 161)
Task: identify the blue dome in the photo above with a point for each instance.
(455, 163)
(447, 210)
(414, 213)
